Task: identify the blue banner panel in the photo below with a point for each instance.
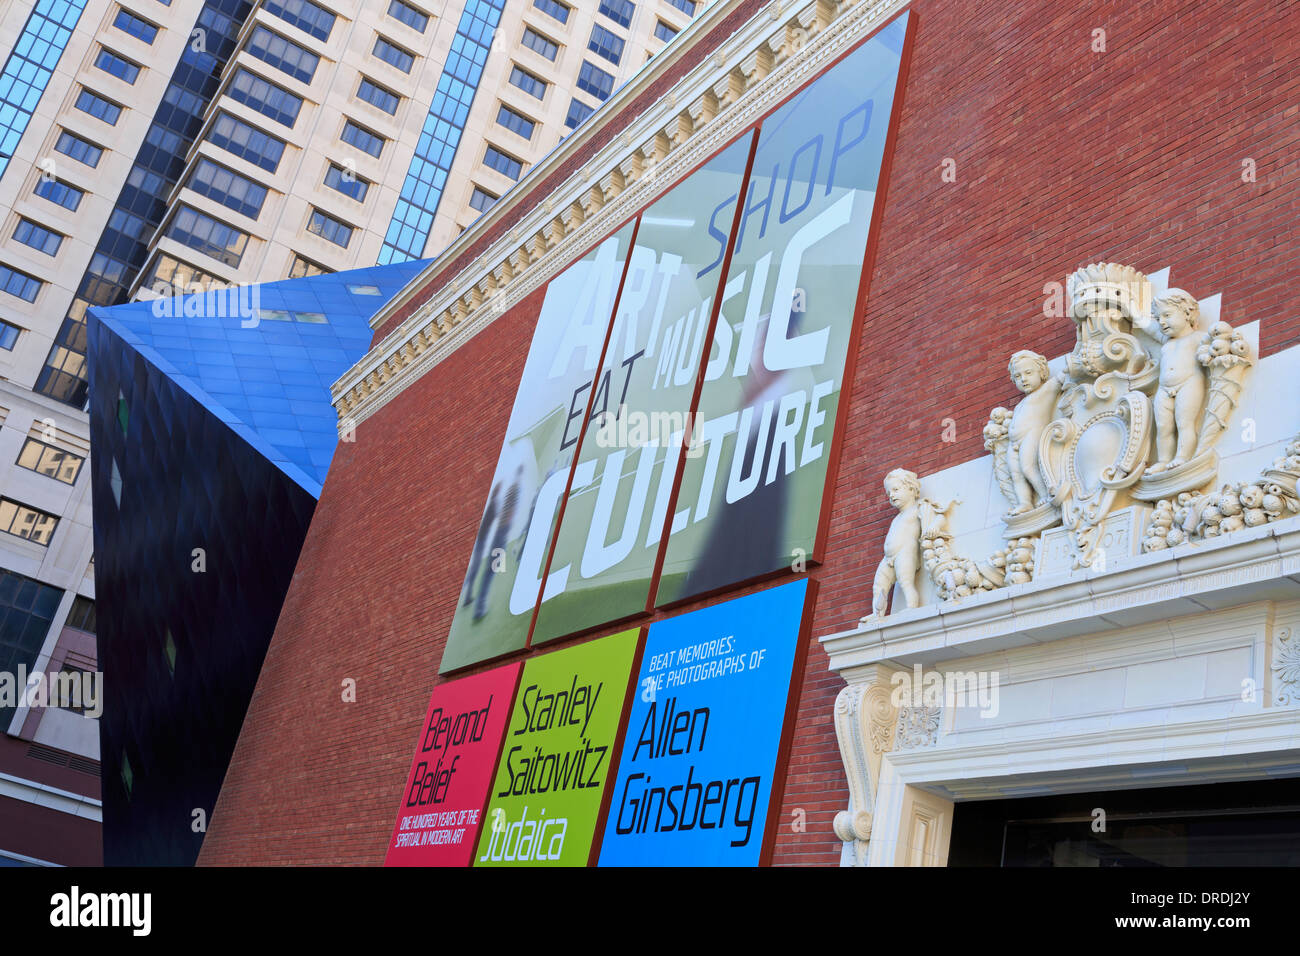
(695, 773)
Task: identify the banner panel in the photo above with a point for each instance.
(557, 754)
(608, 542)
(505, 567)
(695, 776)
(440, 817)
(751, 494)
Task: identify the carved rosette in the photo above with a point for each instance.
(1286, 667)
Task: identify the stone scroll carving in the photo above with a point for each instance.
(865, 715)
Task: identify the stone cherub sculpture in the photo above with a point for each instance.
(1174, 322)
(1013, 436)
(902, 560)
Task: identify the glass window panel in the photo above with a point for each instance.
(620, 11)
(117, 66)
(305, 15)
(592, 79)
(141, 29)
(527, 82)
(539, 44)
(554, 9)
(605, 44)
(407, 14)
(391, 53)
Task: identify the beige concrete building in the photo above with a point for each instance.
(382, 135)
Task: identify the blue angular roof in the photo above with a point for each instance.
(262, 358)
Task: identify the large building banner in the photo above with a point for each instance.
(557, 755)
(503, 580)
(442, 803)
(674, 429)
(751, 495)
(609, 537)
(694, 784)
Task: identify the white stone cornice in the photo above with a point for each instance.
(707, 108)
(1251, 565)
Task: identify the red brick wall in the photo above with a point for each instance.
(1063, 156)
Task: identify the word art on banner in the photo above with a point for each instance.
(442, 803)
(695, 777)
(556, 755)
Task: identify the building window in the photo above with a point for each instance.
(527, 82)
(27, 608)
(406, 13)
(393, 54)
(117, 66)
(98, 107)
(362, 139)
(302, 267)
(539, 44)
(228, 188)
(8, 331)
(38, 237)
(605, 44)
(170, 276)
(82, 615)
(206, 235)
(283, 54)
(128, 22)
(74, 147)
(686, 6)
(48, 460)
(304, 15)
(377, 96)
(515, 122)
(347, 182)
(265, 97)
(329, 228)
(578, 111)
(664, 32)
(502, 163)
(19, 284)
(358, 289)
(27, 522)
(481, 199)
(60, 193)
(246, 142)
(620, 11)
(594, 80)
(33, 51)
(553, 8)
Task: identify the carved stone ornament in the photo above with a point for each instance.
(918, 726)
(1286, 667)
(865, 717)
(1132, 418)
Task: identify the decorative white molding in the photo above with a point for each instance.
(1254, 564)
(1286, 667)
(657, 148)
(865, 717)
